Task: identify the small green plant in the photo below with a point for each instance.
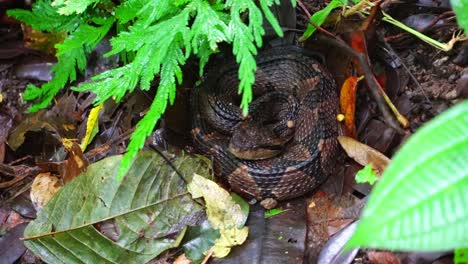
(421, 201)
(156, 37)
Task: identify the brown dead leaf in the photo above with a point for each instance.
(76, 162)
(348, 104)
(325, 217)
(383, 257)
(42, 41)
(43, 189)
(182, 259)
(363, 154)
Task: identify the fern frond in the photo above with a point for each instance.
(150, 56)
(67, 7)
(265, 5)
(147, 12)
(44, 17)
(71, 55)
(209, 28)
(170, 71)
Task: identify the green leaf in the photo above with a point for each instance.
(198, 240)
(460, 7)
(272, 212)
(147, 12)
(45, 17)
(265, 5)
(366, 175)
(319, 17)
(461, 256)
(66, 7)
(223, 214)
(149, 208)
(420, 202)
(71, 55)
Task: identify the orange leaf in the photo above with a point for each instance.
(348, 104)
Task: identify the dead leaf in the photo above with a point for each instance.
(348, 104)
(363, 154)
(223, 214)
(383, 257)
(43, 189)
(76, 162)
(182, 259)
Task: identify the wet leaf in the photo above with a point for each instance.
(199, 239)
(420, 202)
(333, 251)
(348, 104)
(279, 239)
(11, 247)
(366, 175)
(363, 154)
(149, 207)
(223, 214)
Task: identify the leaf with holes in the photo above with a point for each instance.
(149, 209)
(420, 203)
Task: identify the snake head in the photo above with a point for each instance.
(254, 141)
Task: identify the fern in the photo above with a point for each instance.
(159, 36)
(66, 7)
(44, 17)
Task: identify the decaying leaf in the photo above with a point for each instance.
(43, 188)
(223, 214)
(76, 162)
(150, 208)
(363, 154)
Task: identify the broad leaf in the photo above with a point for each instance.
(224, 214)
(420, 203)
(460, 7)
(149, 209)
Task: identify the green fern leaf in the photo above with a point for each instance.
(209, 28)
(66, 7)
(45, 17)
(166, 89)
(147, 12)
(265, 4)
(71, 55)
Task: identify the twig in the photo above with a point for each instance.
(319, 28)
(207, 257)
(370, 80)
(375, 89)
(413, 78)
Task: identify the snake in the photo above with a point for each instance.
(295, 102)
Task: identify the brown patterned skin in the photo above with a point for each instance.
(308, 158)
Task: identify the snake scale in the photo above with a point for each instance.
(307, 158)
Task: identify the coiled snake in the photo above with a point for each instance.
(308, 129)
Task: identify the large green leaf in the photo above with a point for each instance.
(460, 7)
(421, 201)
(149, 207)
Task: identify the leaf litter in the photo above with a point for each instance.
(438, 74)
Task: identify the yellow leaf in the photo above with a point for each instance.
(92, 126)
(223, 214)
